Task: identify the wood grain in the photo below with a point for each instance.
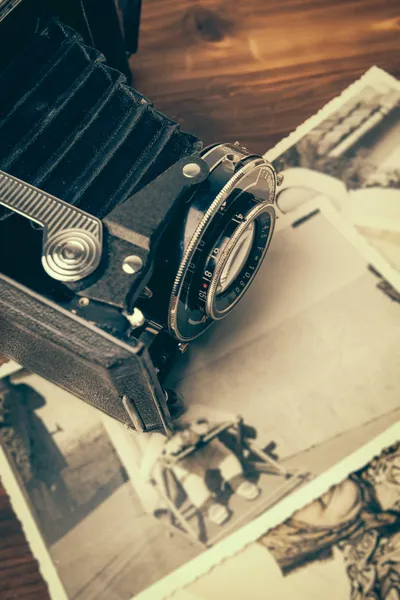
(251, 71)
(19, 573)
(254, 70)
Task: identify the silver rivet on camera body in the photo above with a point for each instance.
(83, 302)
(191, 170)
(182, 347)
(231, 161)
(132, 264)
(279, 179)
(136, 318)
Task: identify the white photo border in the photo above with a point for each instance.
(373, 75)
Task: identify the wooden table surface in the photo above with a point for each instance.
(249, 71)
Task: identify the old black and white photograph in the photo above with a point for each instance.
(275, 395)
(355, 523)
(344, 544)
(349, 153)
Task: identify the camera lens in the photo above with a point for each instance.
(227, 231)
(243, 246)
(237, 259)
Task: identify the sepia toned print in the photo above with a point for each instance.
(349, 153)
(360, 517)
(344, 544)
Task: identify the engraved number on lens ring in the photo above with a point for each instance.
(222, 257)
(72, 239)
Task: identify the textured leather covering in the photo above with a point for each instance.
(76, 355)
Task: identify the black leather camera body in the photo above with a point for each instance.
(122, 238)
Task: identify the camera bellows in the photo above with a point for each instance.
(73, 127)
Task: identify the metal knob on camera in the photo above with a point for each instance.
(72, 239)
(71, 254)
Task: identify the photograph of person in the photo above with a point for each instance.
(191, 470)
(208, 472)
(360, 517)
(33, 448)
(54, 458)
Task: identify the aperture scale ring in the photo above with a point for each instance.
(249, 218)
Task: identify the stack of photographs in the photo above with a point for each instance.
(294, 396)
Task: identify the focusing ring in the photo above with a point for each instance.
(230, 166)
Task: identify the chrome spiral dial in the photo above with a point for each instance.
(72, 239)
(71, 254)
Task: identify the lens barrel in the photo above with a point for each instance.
(237, 197)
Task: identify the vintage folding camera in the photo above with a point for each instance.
(122, 238)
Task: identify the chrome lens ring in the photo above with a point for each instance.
(262, 217)
(234, 176)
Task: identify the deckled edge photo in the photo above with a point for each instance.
(273, 517)
(372, 74)
(177, 581)
(30, 528)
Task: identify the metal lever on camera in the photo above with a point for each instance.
(72, 239)
(107, 268)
